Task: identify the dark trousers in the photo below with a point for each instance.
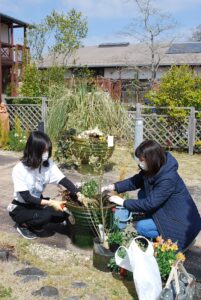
(36, 217)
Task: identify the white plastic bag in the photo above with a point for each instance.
(145, 269)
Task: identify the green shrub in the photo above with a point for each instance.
(31, 85)
(179, 87)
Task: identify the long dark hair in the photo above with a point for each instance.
(38, 142)
(153, 154)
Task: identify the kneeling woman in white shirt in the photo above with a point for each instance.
(30, 176)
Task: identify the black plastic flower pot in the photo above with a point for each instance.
(113, 247)
(101, 256)
(83, 232)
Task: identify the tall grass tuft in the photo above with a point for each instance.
(82, 109)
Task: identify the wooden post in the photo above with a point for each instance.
(16, 66)
(0, 65)
(191, 131)
(24, 52)
(13, 66)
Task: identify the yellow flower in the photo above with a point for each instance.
(159, 239)
(174, 247)
(167, 247)
(163, 248)
(155, 245)
(180, 256)
(169, 242)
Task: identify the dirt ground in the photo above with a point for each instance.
(63, 262)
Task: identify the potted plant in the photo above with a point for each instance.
(88, 148)
(166, 253)
(115, 237)
(92, 216)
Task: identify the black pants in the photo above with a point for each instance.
(36, 217)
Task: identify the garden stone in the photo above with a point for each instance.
(12, 257)
(4, 254)
(47, 291)
(79, 285)
(73, 298)
(30, 278)
(30, 271)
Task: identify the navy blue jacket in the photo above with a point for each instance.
(167, 200)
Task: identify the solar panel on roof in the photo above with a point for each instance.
(184, 48)
(113, 45)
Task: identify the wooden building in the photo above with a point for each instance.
(13, 56)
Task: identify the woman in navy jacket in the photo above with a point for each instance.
(164, 197)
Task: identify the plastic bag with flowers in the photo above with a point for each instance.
(166, 253)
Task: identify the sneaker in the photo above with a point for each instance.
(26, 233)
(38, 230)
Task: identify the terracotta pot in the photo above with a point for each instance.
(4, 124)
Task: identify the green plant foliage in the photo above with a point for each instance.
(53, 75)
(36, 83)
(179, 87)
(84, 109)
(3, 135)
(112, 263)
(31, 85)
(5, 292)
(90, 189)
(17, 137)
(115, 235)
(65, 31)
(166, 253)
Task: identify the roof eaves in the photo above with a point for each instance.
(16, 21)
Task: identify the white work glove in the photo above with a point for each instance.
(56, 205)
(78, 184)
(80, 197)
(117, 200)
(108, 188)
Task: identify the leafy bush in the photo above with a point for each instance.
(31, 85)
(179, 87)
(36, 83)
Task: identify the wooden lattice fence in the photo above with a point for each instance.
(173, 133)
(30, 115)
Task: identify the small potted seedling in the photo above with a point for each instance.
(115, 237)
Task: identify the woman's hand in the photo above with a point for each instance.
(108, 188)
(56, 205)
(117, 200)
(80, 197)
